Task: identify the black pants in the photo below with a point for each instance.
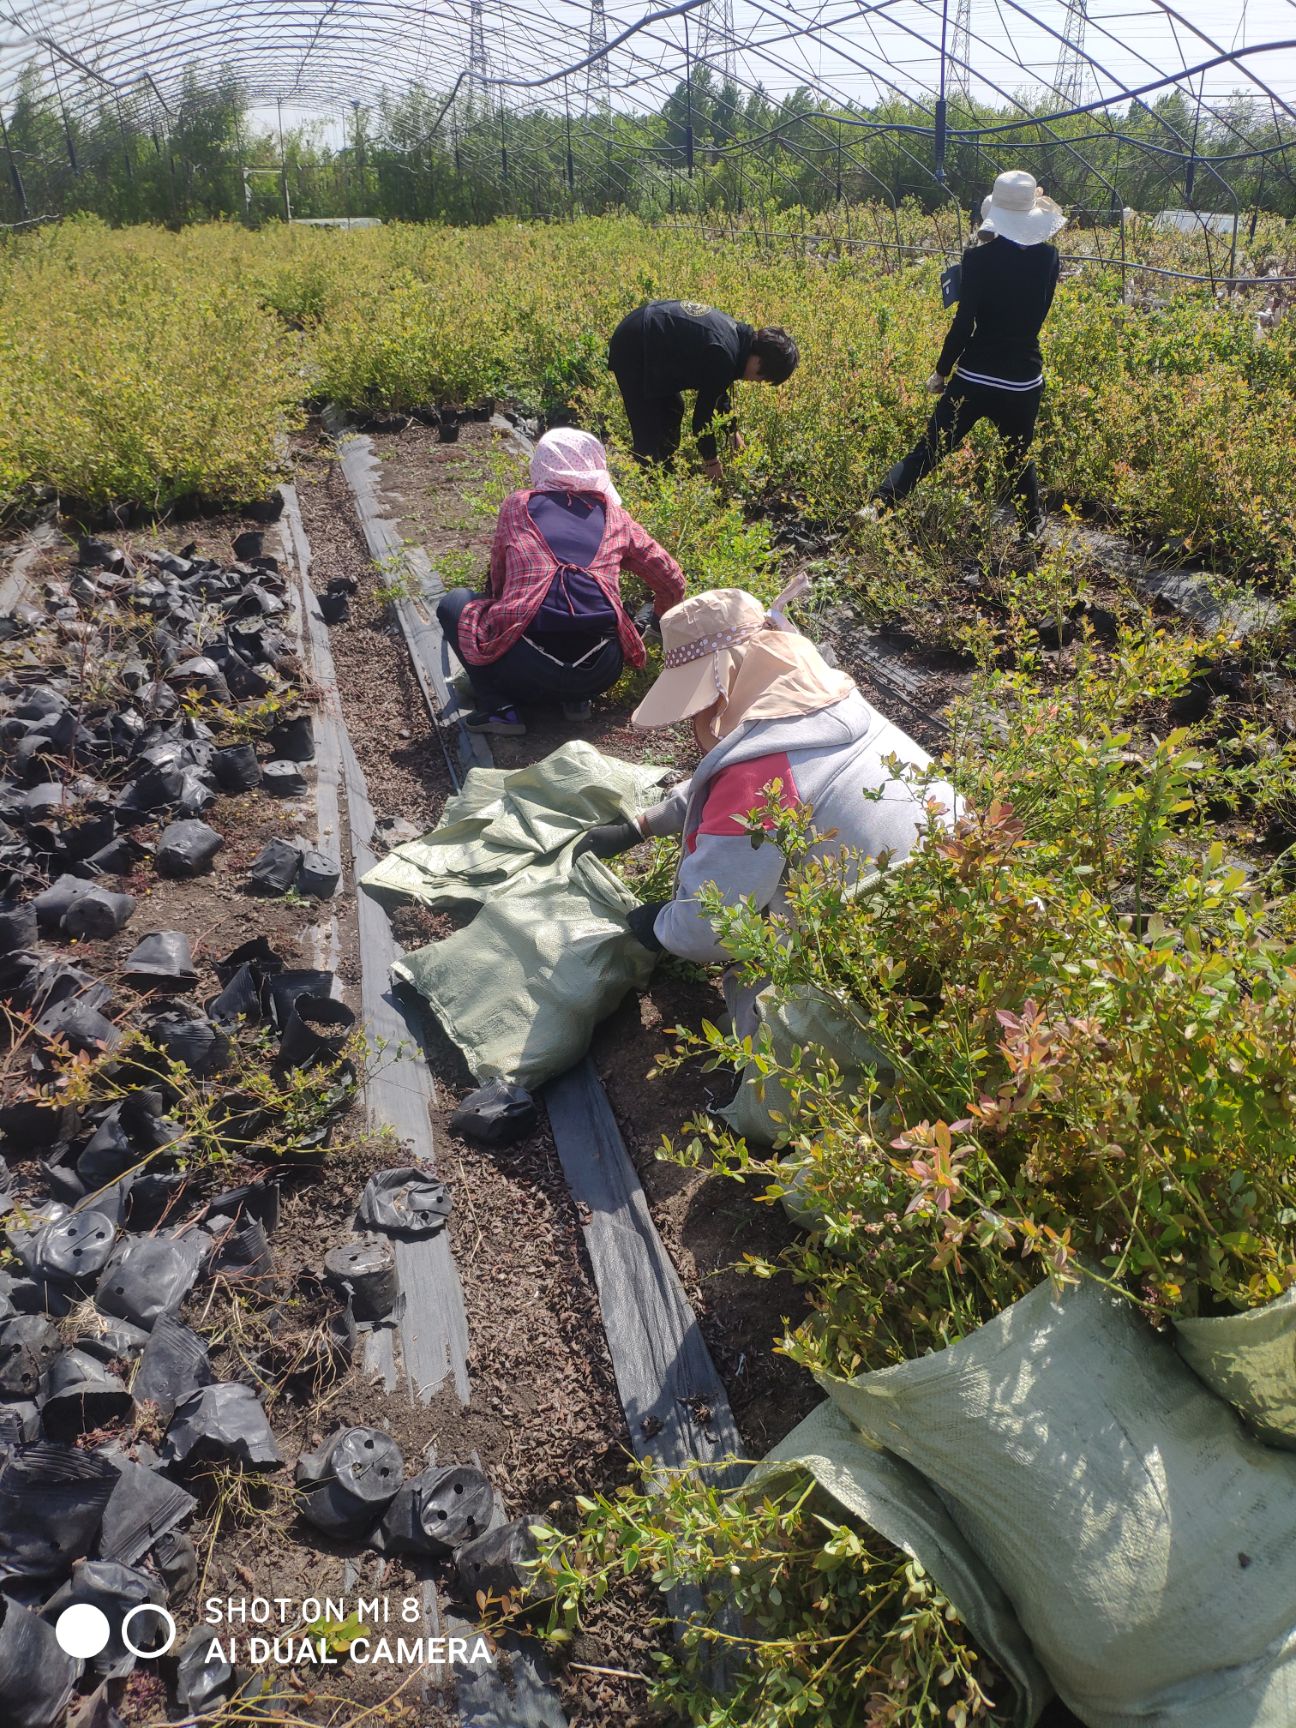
(655, 420)
(1011, 412)
(522, 673)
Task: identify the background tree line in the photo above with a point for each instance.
(710, 147)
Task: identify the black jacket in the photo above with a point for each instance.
(1004, 298)
(673, 345)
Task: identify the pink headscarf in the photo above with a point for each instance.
(566, 460)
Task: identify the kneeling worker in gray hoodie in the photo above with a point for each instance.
(766, 707)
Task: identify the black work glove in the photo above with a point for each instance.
(609, 840)
(646, 621)
(641, 921)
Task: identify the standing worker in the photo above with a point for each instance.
(669, 346)
(1006, 290)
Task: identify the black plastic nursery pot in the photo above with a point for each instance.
(97, 914)
(366, 1273)
(334, 606)
(236, 768)
(349, 1482)
(404, 1202)
(438, 1511)
(316, 1031)
(186, 848)
(275, 868)
(293, 740)
(318, 875)
(496, 1114)
(164, 959)
(283, 780)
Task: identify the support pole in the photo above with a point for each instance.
(688, 98)
(15, 178)
(283, 162)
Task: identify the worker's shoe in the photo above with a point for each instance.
(577, 710)
(503, 722)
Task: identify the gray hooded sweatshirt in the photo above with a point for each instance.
(827, 760)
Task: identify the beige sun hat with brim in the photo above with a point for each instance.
(724, 647)
(1020, 211)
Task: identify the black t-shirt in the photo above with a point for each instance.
(673, 345)
(1004, 298)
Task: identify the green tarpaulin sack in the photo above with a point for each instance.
(800, 1020)
(1095, 1512)
(549, 955)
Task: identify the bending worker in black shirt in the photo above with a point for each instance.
(668, 346)
(1006, 290)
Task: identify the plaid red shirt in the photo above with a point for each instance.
(522, 567)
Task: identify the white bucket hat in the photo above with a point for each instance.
(1019, 211)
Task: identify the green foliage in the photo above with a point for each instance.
(145, 366)
(1091, 1016)
(818, 1620)
(127, 375)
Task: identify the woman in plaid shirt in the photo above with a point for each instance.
(551, 626)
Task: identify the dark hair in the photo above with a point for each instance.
(777, 353)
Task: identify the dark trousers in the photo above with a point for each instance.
(522, 673)
(1011, 412)
(655, 420)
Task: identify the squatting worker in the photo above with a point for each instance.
(669, 346)
(765, 707)
(1006, 290)
(551, 626)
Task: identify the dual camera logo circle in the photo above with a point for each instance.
(83, 1631)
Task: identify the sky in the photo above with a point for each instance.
(318, 54)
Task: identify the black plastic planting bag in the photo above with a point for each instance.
(240, 1251)
(318, 876)
(222, 1424)
(36, 1677)
(96, 914)
(293, 740)
(164, 957)
(114, 1589)
(497, 1562)
(496, 1114)
(188, 1036)
(175, 1364)
(84, 1030)
(259, 1200)
(257, 955)
(236, 768)
(52, 1501)
(73, 1250)
(82, 1396)
(239, 1000)
(149, 1276)
(283, 988)
(17, 926)
(349, 1481)
(275, 869)
(143, 1507)
(317, 1031)
(436, 1512)
(28, 1344)
(366, 1273)
(176, 1559)
(57, 900)
(404, 1202)
(186, 848)
(283, 780)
